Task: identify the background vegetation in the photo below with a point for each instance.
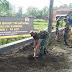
(6, 9)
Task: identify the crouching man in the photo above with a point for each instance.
(40, 41)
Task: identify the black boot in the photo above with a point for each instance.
(70, 46)
(40, 56)
(45, 51)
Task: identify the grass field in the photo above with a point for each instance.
(39, 24)
(4, 41)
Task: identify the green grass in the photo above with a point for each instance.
(40, 27)
(4, 41)
(39, 20)
(0, 41)
(54, 23)
(9, 41)
(40, 24)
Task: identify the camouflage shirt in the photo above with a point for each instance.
(41, 35)
(67, 27)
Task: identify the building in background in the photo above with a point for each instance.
(62, 11)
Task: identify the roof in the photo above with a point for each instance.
(63, 10)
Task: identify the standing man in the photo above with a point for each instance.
(70, 22)
(70, 19)
(57, 27)
(66, 31)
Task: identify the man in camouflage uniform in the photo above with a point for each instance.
(42, 40)
(57, 27)
(66, 31)
(44, 36)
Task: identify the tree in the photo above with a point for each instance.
(65, 5)
(45, 11)
(32, 12)
(19, 13)
(39, 14)
(70, 5)
(5, 8)
(36, 13)
(55, 7)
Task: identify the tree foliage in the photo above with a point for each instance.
(19, 13)
(32, 12)
(70, 5)
(36, 13)
(5, 8)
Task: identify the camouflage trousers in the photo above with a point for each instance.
(65, 37)
(57, 31)
(43, 45)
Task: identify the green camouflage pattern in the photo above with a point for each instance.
(44, 37)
